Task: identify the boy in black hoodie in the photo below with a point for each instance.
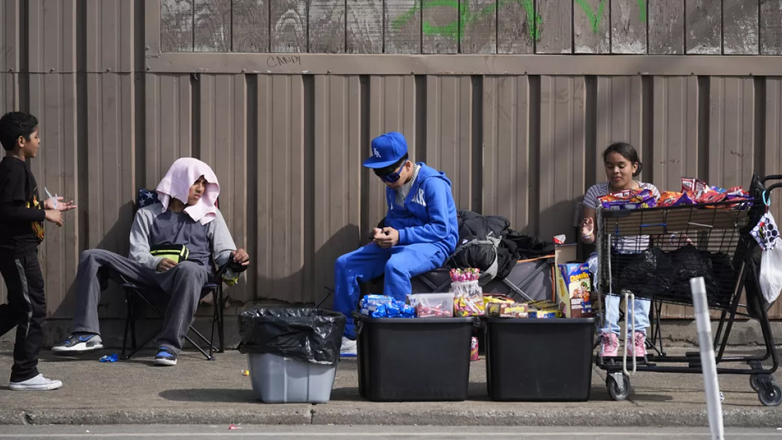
(21, 231)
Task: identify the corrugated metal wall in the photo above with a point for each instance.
(287, 148)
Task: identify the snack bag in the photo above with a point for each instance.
(693, 186)
(629, 199)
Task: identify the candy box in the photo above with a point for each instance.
(543, 309)
(494, 300)
(498, 309)
(574, 290)
(545, 314)
(432, 305)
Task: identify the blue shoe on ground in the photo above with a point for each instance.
(165, 357)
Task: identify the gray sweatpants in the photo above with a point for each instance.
(183, 284)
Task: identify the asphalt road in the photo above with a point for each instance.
(369, 432)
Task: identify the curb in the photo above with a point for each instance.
(304, 414)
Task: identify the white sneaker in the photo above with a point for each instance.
(348, 348)
(79, 343)
(37, 383)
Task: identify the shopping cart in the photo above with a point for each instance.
(653, 253)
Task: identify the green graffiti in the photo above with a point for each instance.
(455, 29)
(642, 7)
(594, 19)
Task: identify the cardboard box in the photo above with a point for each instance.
(573, 284)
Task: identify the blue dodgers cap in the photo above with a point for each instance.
(387, 149)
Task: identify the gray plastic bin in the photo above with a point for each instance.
(276, 379)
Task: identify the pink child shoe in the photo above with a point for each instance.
(609, 345)
(639, 346)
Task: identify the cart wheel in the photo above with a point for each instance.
(756, 382)
(613, 387)
(770, 396)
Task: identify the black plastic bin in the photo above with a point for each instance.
(413, 359)
(539, 359)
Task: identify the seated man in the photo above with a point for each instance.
(186, 215)
(419, 233)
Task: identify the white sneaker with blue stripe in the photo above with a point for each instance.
(165, 357)
(79, 343)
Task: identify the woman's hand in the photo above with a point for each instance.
(587, 228)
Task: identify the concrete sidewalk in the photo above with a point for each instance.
(200, 392)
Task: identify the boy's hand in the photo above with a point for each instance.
(165, 264)
(378, 237)
(240, 256)
(49, 204)
(387, 238)
(54, 216)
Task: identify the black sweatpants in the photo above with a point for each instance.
(25, 310)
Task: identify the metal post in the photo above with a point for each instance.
(708, 362)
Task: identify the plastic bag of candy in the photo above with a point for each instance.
(468, 295)
(468, 298)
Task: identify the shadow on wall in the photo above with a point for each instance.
(317, 272)
(112, 302)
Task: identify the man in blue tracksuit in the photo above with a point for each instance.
(419, 233)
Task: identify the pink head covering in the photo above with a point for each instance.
(184, 172)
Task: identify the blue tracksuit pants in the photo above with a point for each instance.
(398, 264)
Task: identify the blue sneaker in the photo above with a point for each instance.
(79, 343)
(165, 357)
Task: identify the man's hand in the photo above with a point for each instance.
(54, 216)
(165, 264)
(240, 256)
(386, 237)
(49, 204)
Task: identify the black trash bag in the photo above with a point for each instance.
(644, 274)
(688, 263)
(717, 271)
(725, 277)
(308, 335)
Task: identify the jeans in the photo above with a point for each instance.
(638, 310)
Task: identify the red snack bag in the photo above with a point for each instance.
(669, 198)
(709, 197)
(693, 186)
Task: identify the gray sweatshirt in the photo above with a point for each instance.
(140, 238)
